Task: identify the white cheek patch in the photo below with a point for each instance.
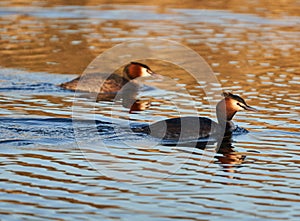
(236, 105)
(145, 73)
(239, 107)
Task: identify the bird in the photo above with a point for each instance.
(189, 127)
(95, 83)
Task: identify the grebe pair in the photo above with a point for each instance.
(170, 128)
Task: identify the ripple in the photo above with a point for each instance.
(55, 168)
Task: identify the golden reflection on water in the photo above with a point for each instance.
(256, 58)
(263, 8)
(254, 54)
(240, 53)
(55, 45)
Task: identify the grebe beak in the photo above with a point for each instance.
(246, 107)
(153, 74)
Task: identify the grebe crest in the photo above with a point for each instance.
(135, 69)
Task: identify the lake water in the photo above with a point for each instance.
(66, 157)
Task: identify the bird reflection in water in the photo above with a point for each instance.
(228, 158)
(223, 150)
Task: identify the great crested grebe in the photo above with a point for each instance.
(95, 83)
(185, 127)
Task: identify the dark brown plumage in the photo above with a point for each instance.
(95, 83)
(185, 128)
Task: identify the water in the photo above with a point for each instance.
(54, 168)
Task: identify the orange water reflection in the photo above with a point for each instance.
(252, 46)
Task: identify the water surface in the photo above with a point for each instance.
(53, 169)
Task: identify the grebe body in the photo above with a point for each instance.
(94, 83)
(199, 127)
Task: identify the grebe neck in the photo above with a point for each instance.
(225, 114)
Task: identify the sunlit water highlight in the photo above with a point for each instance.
(44, 173)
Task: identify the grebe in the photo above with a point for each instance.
(170, 129)
(94, 83)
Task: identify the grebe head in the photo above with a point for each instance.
(231, 104)
(135, 69)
